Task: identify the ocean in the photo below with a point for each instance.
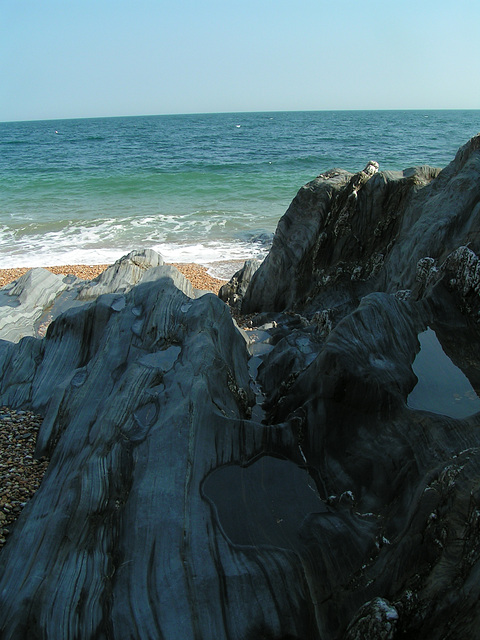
(206, 188)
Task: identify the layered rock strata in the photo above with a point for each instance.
(30, 303)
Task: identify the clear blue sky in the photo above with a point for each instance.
(86, 58)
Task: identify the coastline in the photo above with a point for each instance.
(198, 275)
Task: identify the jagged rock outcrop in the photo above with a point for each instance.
(121, 276)
(139, 389)
(233, 291)
(345, 236)
(376, 620)
(27, 306)
(314, 476)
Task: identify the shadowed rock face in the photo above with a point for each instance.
(286, 482)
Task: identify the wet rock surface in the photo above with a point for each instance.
(279, 480)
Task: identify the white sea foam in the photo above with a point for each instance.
(185, 238)
(206, 253)
(50, 253)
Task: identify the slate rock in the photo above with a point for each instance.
(123, 275)
(376, 620)
(233, 291)
(23, 302)
(29, 305)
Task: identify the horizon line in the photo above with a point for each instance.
(205, 113)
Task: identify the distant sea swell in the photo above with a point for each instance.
(198, 188)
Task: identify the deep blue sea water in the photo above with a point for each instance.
(196, 188)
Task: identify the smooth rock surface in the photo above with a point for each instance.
(22, 303)
(123, 275)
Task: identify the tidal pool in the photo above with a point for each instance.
(442, 387)
(264, 503)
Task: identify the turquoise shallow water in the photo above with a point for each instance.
(193, 187)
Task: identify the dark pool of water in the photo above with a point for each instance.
(264, 503)
(442, 387)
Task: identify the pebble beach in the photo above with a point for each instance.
(20, 473)
(197, 274)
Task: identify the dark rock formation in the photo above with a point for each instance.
(233, 291)
(345, 236)
(305, 478)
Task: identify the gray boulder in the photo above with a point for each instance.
(121, 276)
(233, 291)
(144, 394)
